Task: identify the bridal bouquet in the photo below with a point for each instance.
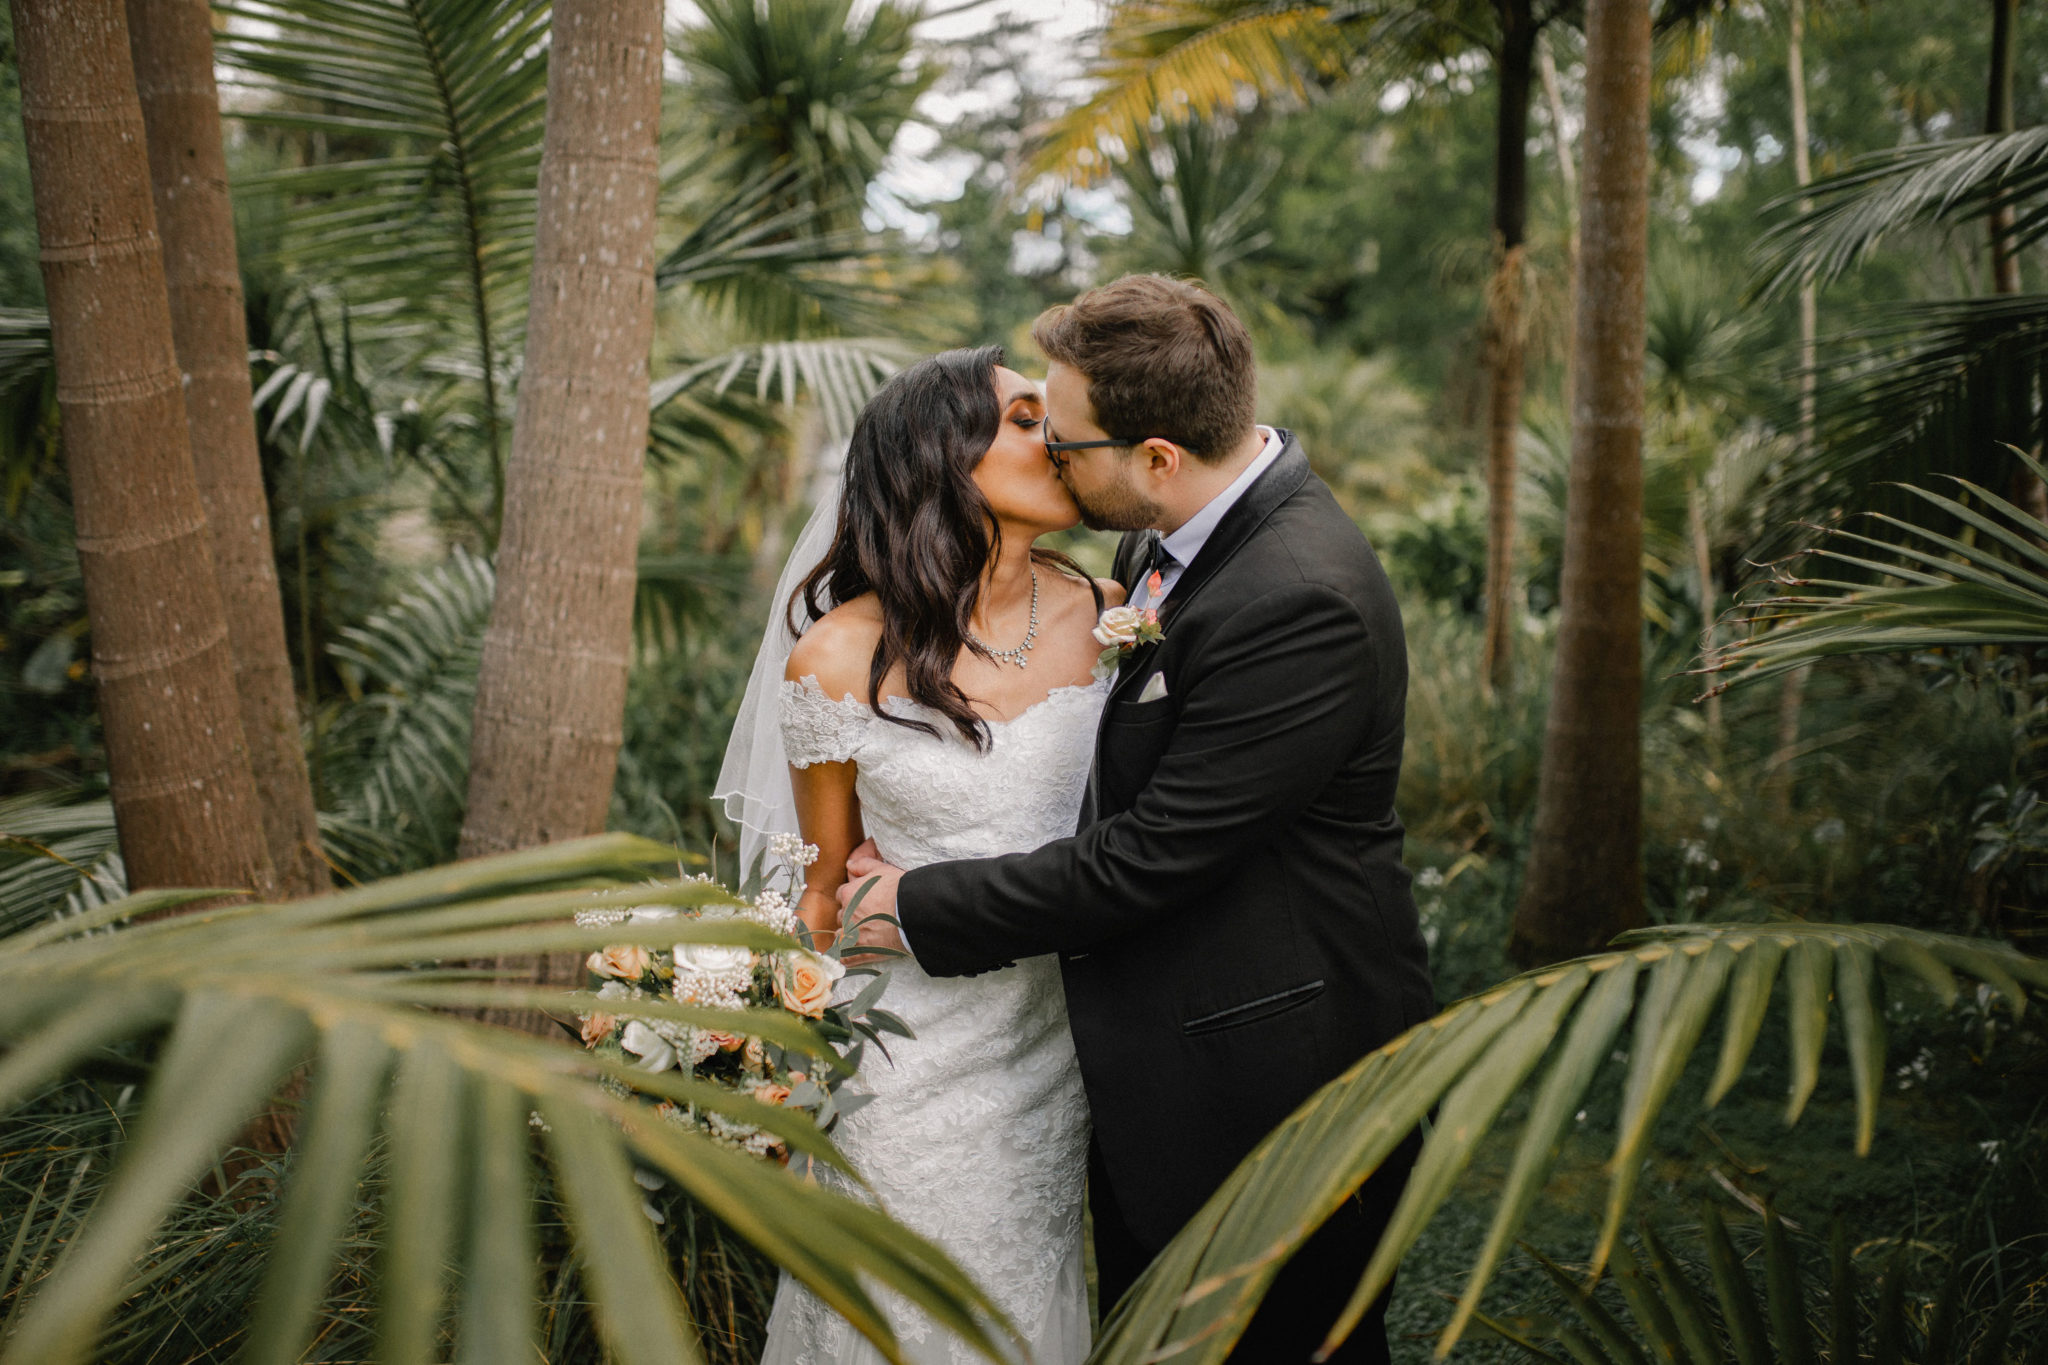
(730, 977)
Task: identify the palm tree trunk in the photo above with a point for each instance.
(1506, 346)
(171, 42)
(1584, 881)
(1792, 697)
(1546, 67)
(1802, 170)
(1998, 118)
(1506, 342)
(184, 801)
(551, 690)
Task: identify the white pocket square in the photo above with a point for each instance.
(1154, 688)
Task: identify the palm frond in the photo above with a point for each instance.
(774, 263)
(28, 401)
(1202, 197)
(1945, 590)
(433, 112)
(56, 858)
(840, 374)
(398, 755)
(1930, 388)
(1944, 184)
(1476, 1056)
(818, 87)
(1172, 61)
(1709, 1306)
(236, 998)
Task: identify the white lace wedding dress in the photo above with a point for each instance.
(978, 1135)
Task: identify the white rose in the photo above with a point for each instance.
(1118, 626)
(712, 958)
(651, 1048)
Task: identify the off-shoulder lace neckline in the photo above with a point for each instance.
(812, 688)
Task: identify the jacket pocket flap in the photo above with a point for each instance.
(1251, 1011)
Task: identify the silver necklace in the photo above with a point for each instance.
(1016, 656)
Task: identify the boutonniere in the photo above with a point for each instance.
(1120, 630)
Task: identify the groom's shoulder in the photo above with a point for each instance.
(1310, 538)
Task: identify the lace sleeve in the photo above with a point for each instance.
(817, 729)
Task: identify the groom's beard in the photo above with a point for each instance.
(1117, 506)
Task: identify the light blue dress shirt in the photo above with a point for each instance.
(1187, 541)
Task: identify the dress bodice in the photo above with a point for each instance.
(933, 798)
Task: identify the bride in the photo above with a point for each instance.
(940, 701)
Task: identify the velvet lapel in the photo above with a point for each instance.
(1279, 483)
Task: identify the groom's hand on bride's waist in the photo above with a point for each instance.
(874, 915)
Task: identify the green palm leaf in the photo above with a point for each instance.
(397, 758)
(818, 87)
(1947, 591)
(1946, 183)
(1678, 1309)
(1201, 197)
(1473, 1058)
(1930, 388)
(56, 859)
(242, 995)
(27, 397)
(1181, 60)
(436, 109)
(840, 374)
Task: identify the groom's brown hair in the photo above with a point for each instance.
(1163, 357)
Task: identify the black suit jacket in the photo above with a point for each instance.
(1233, 917)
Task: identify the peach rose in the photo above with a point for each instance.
(768, 1092)
(805, 982)
(724, 1042)
(597, 1028)
(627, 962)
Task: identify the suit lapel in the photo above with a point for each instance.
(1279, 483)
(1130, 560)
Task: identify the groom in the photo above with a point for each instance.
(1232, 918)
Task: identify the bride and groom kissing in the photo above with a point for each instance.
(1138, 833)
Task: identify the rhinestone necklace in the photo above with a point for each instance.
(1016, 656)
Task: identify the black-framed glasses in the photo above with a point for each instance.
(1061, 447)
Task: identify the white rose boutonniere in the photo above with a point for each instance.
(1119, 631)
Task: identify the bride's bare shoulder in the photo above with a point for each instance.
(838, 647)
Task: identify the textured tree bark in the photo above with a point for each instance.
(1584, 880)
(551, 691)
(1998, 118)
(1792, 696)
(1547, 69)
(1506, 334)
(171, 42)
(184, 801)
(1802, 170)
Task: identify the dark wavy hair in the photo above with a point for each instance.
(915, 530)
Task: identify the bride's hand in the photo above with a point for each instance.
(865, 869)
